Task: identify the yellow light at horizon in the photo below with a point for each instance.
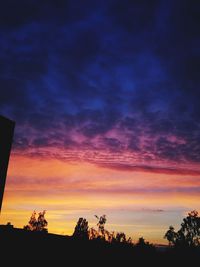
(67, 189)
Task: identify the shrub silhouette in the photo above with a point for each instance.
(105, 235)
(143, 244)
(120, 237)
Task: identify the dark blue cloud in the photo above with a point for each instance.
(90, 67)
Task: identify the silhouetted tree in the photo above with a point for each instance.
(190, 229)
(101, 225)
(81, 229)
(171, 236)
(188, 234)
(38, 224)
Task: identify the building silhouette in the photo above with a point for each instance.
(6, 136)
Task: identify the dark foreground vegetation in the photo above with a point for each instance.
(28, 248)
(33, 245)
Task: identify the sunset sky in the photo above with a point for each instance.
(105, 96)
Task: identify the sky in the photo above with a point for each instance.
(105, 96)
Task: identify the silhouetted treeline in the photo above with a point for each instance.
(83, 231)
(31, 247)
(34, 246)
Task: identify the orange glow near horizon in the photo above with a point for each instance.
(138, 203)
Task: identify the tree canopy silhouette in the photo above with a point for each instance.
(37, 224)
(171, 236)
(188, 234)
(81, 229)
